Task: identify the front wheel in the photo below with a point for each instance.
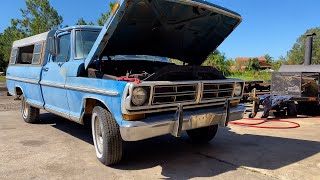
(204, 134)
(29, 114)
(106, 136)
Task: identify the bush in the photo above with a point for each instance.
(252, 75)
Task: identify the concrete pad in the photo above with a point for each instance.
(59, 149)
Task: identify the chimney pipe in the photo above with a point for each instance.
(308, 52)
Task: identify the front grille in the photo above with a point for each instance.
(174, 94)
(216, 91)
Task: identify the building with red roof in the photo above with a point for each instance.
(242, 63)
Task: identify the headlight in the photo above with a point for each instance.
(238, 89)
(139, 96)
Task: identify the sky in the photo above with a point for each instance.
(268, 26)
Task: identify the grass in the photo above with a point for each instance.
(2, 79)
(252, 75)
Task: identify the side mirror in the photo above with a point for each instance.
(52, 46)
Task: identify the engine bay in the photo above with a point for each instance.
(151, 71)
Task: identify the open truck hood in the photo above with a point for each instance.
(187, 30)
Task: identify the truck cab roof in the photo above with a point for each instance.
(84, 27)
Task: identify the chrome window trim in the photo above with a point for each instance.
(32, 81)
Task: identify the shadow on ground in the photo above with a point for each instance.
(74, 129)
(180, 158)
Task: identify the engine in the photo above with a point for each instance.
(151, 71)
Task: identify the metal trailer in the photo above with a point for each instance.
(300, 81)
(259, 87)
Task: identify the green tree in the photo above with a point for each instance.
(296, 54)
(268, 58)
(278, 63)
(9, 35)
(253, 64)
(3, 62)
(231, 62)
(81, 21)
(218, 60)
(38, 17)
(104, 17)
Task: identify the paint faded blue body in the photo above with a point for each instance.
(58, 88)
(187, 30)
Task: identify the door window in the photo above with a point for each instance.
(64, 48)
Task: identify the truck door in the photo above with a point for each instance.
(54, 78)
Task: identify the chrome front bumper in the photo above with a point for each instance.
(176, 122)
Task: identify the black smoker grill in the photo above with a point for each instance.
(299, 81)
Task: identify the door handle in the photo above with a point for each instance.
(46, 69)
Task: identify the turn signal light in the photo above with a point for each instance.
(115, 8)
(133, 117)
(312, 99)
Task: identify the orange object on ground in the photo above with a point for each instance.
(262, 121)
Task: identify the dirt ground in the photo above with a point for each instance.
(60, 149)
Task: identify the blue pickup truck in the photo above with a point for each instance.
(116, 77)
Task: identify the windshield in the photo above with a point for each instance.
(84, 43)
(140, 57)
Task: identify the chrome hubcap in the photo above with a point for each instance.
(98, 135)
(24, 108)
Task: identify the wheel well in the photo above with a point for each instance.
(90, 103)
(18, 91)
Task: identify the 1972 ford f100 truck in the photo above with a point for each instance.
(96, 72)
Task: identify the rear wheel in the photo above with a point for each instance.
(204, 134)
(29, 114)
(106, 136)
(291, 109)
(308, 108)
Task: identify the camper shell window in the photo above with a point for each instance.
(37, 54)
(25, 55)
(14, 53)
(29, 54)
